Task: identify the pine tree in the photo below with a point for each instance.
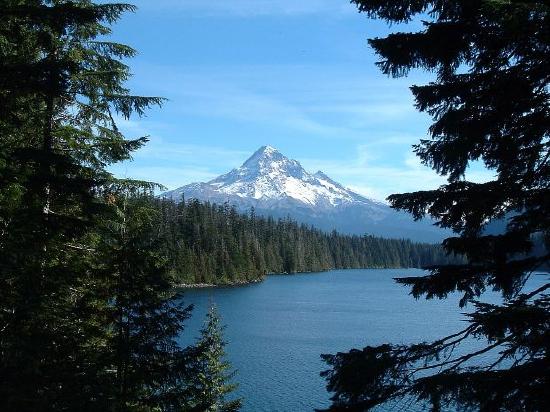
(212, 381)
(213, 244)
(61, 89)
(490, 102)
(144, 315)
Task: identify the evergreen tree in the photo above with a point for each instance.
(490, 103)
(213, 244)
(144, 316)
(61, 89)
(212, 381)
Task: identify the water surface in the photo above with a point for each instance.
(277, 329)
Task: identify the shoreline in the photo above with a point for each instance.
(217, 285)
(251, 282)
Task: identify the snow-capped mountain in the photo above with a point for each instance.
(278, 186)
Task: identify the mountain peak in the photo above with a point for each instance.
(276, 185)
(269, 163)
(263, 154)
(268, 175)
(267, 150)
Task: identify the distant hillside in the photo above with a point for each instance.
(277, 186)
(212, 244)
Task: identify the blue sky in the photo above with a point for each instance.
(297, 75)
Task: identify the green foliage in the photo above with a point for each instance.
(212, 374)
(143, 316)
(490, 102)
(86, 318)
(214, 244)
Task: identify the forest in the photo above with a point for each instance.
(89, 318)
(214, 244)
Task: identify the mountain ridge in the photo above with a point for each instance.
(276, 185)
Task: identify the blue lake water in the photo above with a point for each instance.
(277, 329)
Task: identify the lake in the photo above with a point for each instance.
(277, 329)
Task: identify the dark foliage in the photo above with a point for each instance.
(87, 318)
(141, 314)
(490, 103)
(214, 244)
(211, 381)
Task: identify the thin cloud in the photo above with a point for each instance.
(373, 176)
(181, 164)
(170, 177)
(186, 154)
(250, 107)
(378, 182)
(311, 102)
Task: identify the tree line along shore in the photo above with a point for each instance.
(209, 244)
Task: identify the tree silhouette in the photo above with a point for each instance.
(62, 86)
(490, 103)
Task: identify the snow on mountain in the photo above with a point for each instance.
(278, 186)
(267, 174)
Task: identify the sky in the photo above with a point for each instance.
(296, 75)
